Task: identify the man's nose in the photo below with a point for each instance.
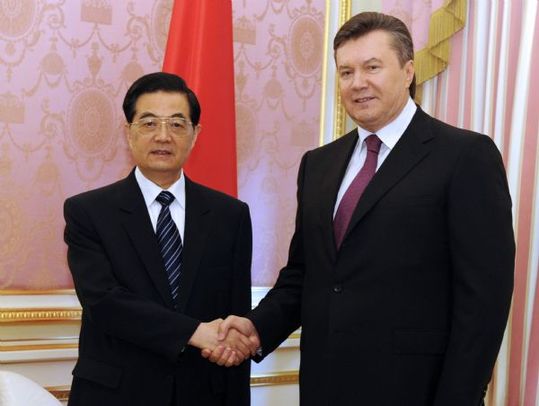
(163, 133)
(358, 80)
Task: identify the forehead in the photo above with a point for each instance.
(162, 103)
(373, 45)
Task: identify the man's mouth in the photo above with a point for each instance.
(161, 152)
(363, 99)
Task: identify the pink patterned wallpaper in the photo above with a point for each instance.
(64, 69)
(278, 52)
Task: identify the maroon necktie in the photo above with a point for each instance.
(355, 190)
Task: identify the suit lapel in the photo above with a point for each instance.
(411, 149)
(197, 221)
(136, 221)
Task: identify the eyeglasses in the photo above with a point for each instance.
(177, 126)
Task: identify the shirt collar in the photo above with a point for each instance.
(150, 190)
(392, 132)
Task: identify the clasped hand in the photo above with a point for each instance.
(226, 342)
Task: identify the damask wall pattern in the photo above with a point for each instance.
(65, 66)
(278, 53)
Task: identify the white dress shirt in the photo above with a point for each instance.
(150, 191)
(389, 135)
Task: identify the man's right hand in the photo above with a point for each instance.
(230, 330)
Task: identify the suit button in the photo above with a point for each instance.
(337, 289)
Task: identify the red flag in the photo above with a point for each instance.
(200, 50)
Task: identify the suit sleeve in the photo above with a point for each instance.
(279, 313)
(238, 378)
(482, 251)
(114, 309)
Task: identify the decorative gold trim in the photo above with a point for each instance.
(275, 378)
(37, 314)
(345, 11)
(34, 347)
(39, 361)
(323, 95)
(444, 23)
(60, 392)
(14, 340)
(37, 292)
(271, 379)
(294, 336)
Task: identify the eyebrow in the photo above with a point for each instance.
(372, 60)
(150, 114)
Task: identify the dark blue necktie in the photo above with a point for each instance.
(170, 242)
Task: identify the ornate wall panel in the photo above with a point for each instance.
(65, 67)
(278, 51)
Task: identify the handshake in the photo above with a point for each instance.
(226, 342)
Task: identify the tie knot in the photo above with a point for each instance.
(165, 198)
(373, 143)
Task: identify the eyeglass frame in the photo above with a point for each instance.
(163, 120)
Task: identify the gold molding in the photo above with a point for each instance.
(34, 347)
(293, 336)
(71, 358)
(275, 378)
(29, 315)
(37, 292)
(345, 11)
(59, 392)
(270, 379)
(323, 95)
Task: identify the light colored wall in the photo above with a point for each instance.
(65, 67)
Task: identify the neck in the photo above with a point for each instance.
(160, 179)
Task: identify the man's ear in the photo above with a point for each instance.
(410, 71)
(197, 130)
(128, 135)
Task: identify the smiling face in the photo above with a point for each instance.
(161, 155)
(372, 83)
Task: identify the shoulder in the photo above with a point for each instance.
(98, 194)
(452, 138)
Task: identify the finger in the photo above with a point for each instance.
(206, 353)
(233, 360)
(224, 327)
(254, 341)
(224, 358)
(217, 353)
(241, 349)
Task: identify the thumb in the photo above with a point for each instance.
(223, 329)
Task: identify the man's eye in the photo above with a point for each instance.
(149, 124)
(177, 124)
(345, 74)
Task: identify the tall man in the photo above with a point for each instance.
(400, 269)
(155, 257)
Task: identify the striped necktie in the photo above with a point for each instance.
(170, 242)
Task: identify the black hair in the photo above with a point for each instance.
(160, 82)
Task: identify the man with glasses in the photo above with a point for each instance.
(155, 258)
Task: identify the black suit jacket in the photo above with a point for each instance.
(411, 310)
(133, 342)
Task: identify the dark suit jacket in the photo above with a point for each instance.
(412, 309)
(132, 334)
